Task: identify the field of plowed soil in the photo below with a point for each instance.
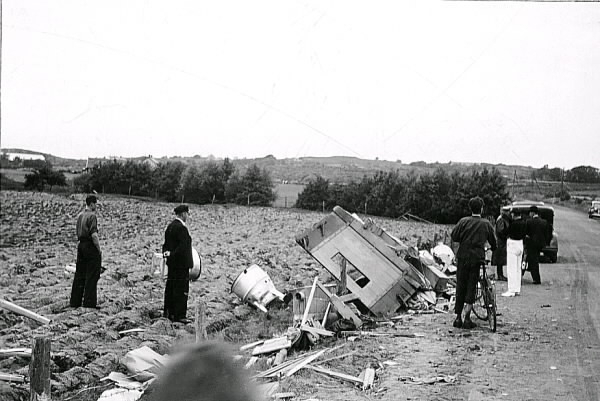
(37, 240)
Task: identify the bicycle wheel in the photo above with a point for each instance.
(479, 306)
(489, 295)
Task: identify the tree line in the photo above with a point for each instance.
(209, 182)
(579, 174)
(438, 197)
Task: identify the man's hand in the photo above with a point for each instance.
(166, 254)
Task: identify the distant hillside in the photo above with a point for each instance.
(58, 162)
(300, 170)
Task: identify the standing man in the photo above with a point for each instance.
(178, 251)
(471, 233)
(89, 257)
(499, 256)
(514, 254)
(538, 235)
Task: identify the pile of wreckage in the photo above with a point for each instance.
(377, 276)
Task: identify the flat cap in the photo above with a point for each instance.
(181, 208)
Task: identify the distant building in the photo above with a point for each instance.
(23, 156)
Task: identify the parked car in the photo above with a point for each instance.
(550, 251)
(594, 210)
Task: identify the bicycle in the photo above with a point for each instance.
(484, 306)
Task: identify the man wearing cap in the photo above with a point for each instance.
(471, 232)
(178, 251)
(538, 235)
(89, 257)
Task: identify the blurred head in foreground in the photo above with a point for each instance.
(204, 372)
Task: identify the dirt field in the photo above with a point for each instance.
(37, 240)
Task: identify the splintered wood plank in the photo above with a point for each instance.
(315, 330)
(309, 301)
(341, 307)
(337, 375)
(272, 345)
(304, 363)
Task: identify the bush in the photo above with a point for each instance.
(45, 176)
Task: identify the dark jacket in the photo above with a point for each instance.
(539, 233)
(179, 242)
(472, 233)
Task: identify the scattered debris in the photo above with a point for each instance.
(143, 363)
(272, 345)
(7, 352)
(429, 380)
(22, 311)
(7, 377)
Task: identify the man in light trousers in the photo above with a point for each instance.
(514, 255)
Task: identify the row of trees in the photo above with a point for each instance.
(210, 182)
(439, 197)
(580, 174)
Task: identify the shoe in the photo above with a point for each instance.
(508, 294)
(183, 321)
(537, 282)
(468, 324)
(517, 294)
(501, 278)
(458, 323)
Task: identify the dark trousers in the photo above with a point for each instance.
(176, 295)
(467, 274)
(87, 274)
(533, 262)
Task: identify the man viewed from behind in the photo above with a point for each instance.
(538, 235)
(89, 257)
(471, 233)
(499, 256)
(178, 251)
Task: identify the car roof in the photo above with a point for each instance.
(520, 207)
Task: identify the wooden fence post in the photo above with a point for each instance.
(39, 370)
(200, 327)
(341, 290)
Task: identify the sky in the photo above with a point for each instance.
(496, 82)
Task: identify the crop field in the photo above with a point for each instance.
(37, 241)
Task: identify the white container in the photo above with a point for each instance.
(255, 287)
(160, 268)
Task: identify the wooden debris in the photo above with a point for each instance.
(304, 363)
(310, 298)
(280, 357)
(272, 345)
(337, 375)
(384, 334)
(131, 331)
(341, 307)
(251, 345)
(8, 352)
(315, 330)
(22, 311)
(7, 377)
(39, 369)
(200, 327)
(251, 362)
(369, 378)
(284, 396)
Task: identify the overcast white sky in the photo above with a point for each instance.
(498, 82)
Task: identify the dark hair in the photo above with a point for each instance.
(476, 204)
(180, 209)
(533, 209)
(91, 199)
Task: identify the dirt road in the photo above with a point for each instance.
(547, 346)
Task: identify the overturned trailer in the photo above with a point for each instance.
(366, 257)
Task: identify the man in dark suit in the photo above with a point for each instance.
(538, 235)
(178, 251)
